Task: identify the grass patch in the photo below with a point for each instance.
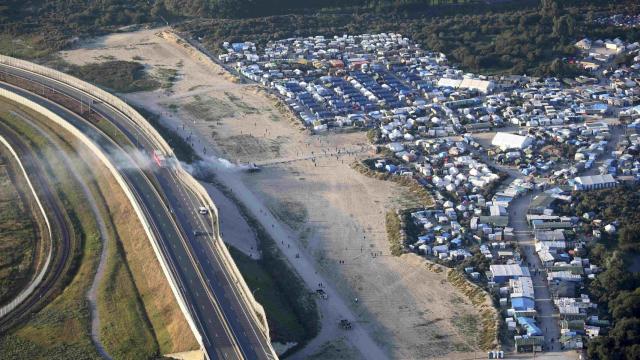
(115, 75)
(283, 323)
(125, 331)
(246, 146)
(209, 109)
(292, 213)
(24, 47)
(486, 338)
(18, 230)
(394, 233)
(166, 77)
(241, 105)
(467, 327)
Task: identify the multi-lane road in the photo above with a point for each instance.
(223, 317)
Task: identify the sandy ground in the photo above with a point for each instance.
(327, 219)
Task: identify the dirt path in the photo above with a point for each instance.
(334, 308)
(104, 236)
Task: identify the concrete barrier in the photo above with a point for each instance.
(38, 279)
(125, 188)
(260, 315)
(95, 92)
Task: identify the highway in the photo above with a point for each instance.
(224, 319)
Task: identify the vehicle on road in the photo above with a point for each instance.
(159, 158)
(203, 210)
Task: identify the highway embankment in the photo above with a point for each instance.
(129, 327)
(237, 311)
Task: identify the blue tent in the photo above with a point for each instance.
(522, 303)
(530, 326)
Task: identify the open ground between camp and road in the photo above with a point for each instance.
(327, 219)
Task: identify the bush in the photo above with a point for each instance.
(394, 233)
(115, 75)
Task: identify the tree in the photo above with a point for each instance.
(560, 26)
(549, 8)
(626, 305)
(622, 343)
(614, 279)
(629, 235)
(626, 337)
(159, 11)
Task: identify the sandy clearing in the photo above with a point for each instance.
(406, 309)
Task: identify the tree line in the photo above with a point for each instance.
(616, 289)
(518, 37)
(479, 37)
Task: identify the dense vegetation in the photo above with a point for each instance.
(115, 75)
(495, 37)
(481, 39)
(618, 205)
(616, 289)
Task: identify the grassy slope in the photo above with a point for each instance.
(139, 315)
(283, 321)
(138, 259)
(18, 234)
(62, 328)
(125, 330)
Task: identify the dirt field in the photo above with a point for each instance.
(328, 219)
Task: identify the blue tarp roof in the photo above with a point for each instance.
(530, 326)
(522, 303)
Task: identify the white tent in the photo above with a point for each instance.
(511, 141)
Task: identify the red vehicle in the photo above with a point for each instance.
(159, 158)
